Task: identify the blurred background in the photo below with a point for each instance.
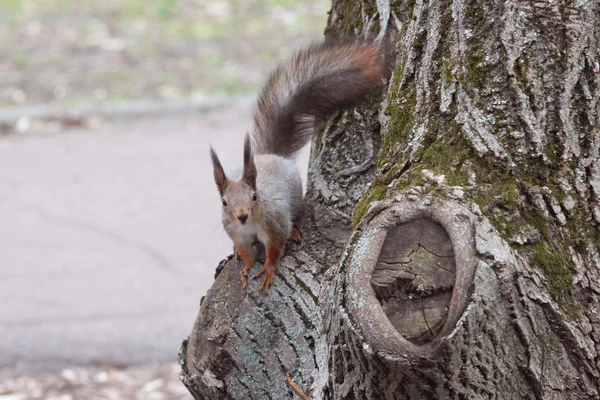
(109, 219)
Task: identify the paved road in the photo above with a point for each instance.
(108, 238)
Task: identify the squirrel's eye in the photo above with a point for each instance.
(224, 203)
(254, 197)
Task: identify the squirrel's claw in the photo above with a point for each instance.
(267, 280)
(296, 234)
(244, 275)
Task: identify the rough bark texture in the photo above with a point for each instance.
(473, 186)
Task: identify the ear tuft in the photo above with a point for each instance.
(219, 173)
(249, 176)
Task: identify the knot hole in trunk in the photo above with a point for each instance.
(409, 274)
(414, 277)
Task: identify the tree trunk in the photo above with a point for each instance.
(451, 232)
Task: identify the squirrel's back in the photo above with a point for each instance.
(316, 82)
(279, 184)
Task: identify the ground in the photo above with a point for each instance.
(159, 382)
(69, 51)
(112, 235)
(111, 226)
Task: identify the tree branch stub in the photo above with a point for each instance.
(445, 223)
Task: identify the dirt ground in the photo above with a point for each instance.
(159, 382)
(70, 51)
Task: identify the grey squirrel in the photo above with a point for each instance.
(264, 202)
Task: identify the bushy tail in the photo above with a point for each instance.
(317, 81)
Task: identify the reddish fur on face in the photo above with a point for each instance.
(239, 196)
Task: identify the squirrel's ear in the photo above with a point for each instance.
(249, 167)
(218, 171)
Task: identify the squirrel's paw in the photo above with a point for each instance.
(267, 281)
(244, 276)
(236, 256)
(296, 234)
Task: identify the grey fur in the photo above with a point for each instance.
(279, 191)
(316, 82)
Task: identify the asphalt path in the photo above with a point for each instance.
(109, 237)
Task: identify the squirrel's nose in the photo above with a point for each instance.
(243, 218)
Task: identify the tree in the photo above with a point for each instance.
(451, 233)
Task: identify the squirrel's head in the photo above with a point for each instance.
(239, 198)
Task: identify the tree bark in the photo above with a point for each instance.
(451, 230)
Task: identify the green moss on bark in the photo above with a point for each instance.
(475, 15)
(557, 270)
(402, 118)
(447, 156)
(476, 70)
(349, 19)
(510, 196)
(520, 67)
(448, 71)
(377, 192)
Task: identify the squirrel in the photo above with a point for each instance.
(264, 200)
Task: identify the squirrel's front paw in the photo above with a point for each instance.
(269, 274)
(244, 275)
